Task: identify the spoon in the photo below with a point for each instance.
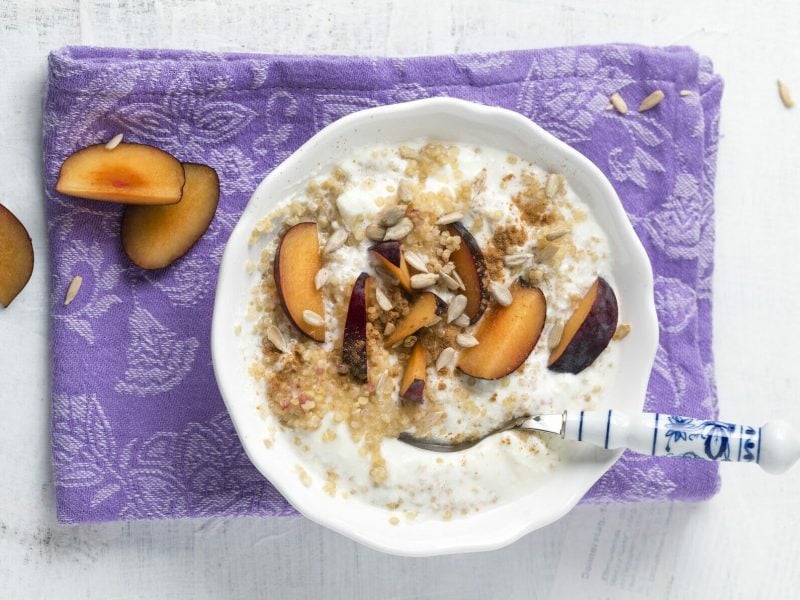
(775, 446)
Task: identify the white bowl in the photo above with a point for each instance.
(458, 121)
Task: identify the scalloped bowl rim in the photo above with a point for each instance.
(464, 122)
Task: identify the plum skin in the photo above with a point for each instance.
(354, 344)
(594, 334)
(415, 393)
(478, 296)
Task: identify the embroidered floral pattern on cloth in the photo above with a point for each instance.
(139, 430)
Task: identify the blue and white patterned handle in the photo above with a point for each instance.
(774, 446)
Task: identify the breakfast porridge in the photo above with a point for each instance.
(438, 289)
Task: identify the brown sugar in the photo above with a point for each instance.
(507, 237)
(494, 263)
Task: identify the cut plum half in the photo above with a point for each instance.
(16, 256)
(297, 261)
(154, 237)
(588, 331)
(129, 174)
(390, 256)
(471, 267)
(507, 335)
(423, 311)
(412, 386)
(354, 342)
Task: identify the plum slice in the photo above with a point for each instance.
(412, 386)
(471, 267)
(588, 331)
(129, 174)
(354, 343)
(154, 237)
(425, 309)
(297, 261)
(390, 255)
(507, 334)
(16, 256)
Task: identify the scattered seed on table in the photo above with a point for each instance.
(619, 103)
(785, 94)
(73, 289)
(653, 100)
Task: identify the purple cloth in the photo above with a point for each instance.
(139, 430)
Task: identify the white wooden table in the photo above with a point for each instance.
(744, 543)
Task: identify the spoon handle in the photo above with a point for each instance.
(775, 446)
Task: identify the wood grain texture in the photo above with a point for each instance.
(756, 517)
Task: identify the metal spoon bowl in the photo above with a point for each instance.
(546, 423)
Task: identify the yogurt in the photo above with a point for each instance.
(344, 433)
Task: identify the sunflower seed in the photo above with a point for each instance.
(685, 92)
(114, 142)
(479, 183)
(552, 185)
(456, 308)
(410, 341)
(651, 101)
(458, 279)
(415, 261)
(381, 381)
(383, 300)
(449, 218)
(389, 329)
(276, 338)
(462, 321)
(423, 280)
(500, 293)
(557, 233)
(618, 103)
(556, 333)
(449, 282)
(399, 230)
(517, 260)
(446, 357)
(336, 241)
(466, 341)
(393, 215)
(375, 232)
(785, 94)
(546, 254)
(313, 319)
(321, 278)
(72, 290)
(405, 190)
(622, 331)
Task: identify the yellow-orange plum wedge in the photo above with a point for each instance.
(16, 256)
(423, 311)
(128, 174)
(297, 261)
(588, 331)
(412, 386)
(156, 236)
(390, 256)
(471, 267)
(506, 335)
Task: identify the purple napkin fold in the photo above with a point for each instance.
(139, 430)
